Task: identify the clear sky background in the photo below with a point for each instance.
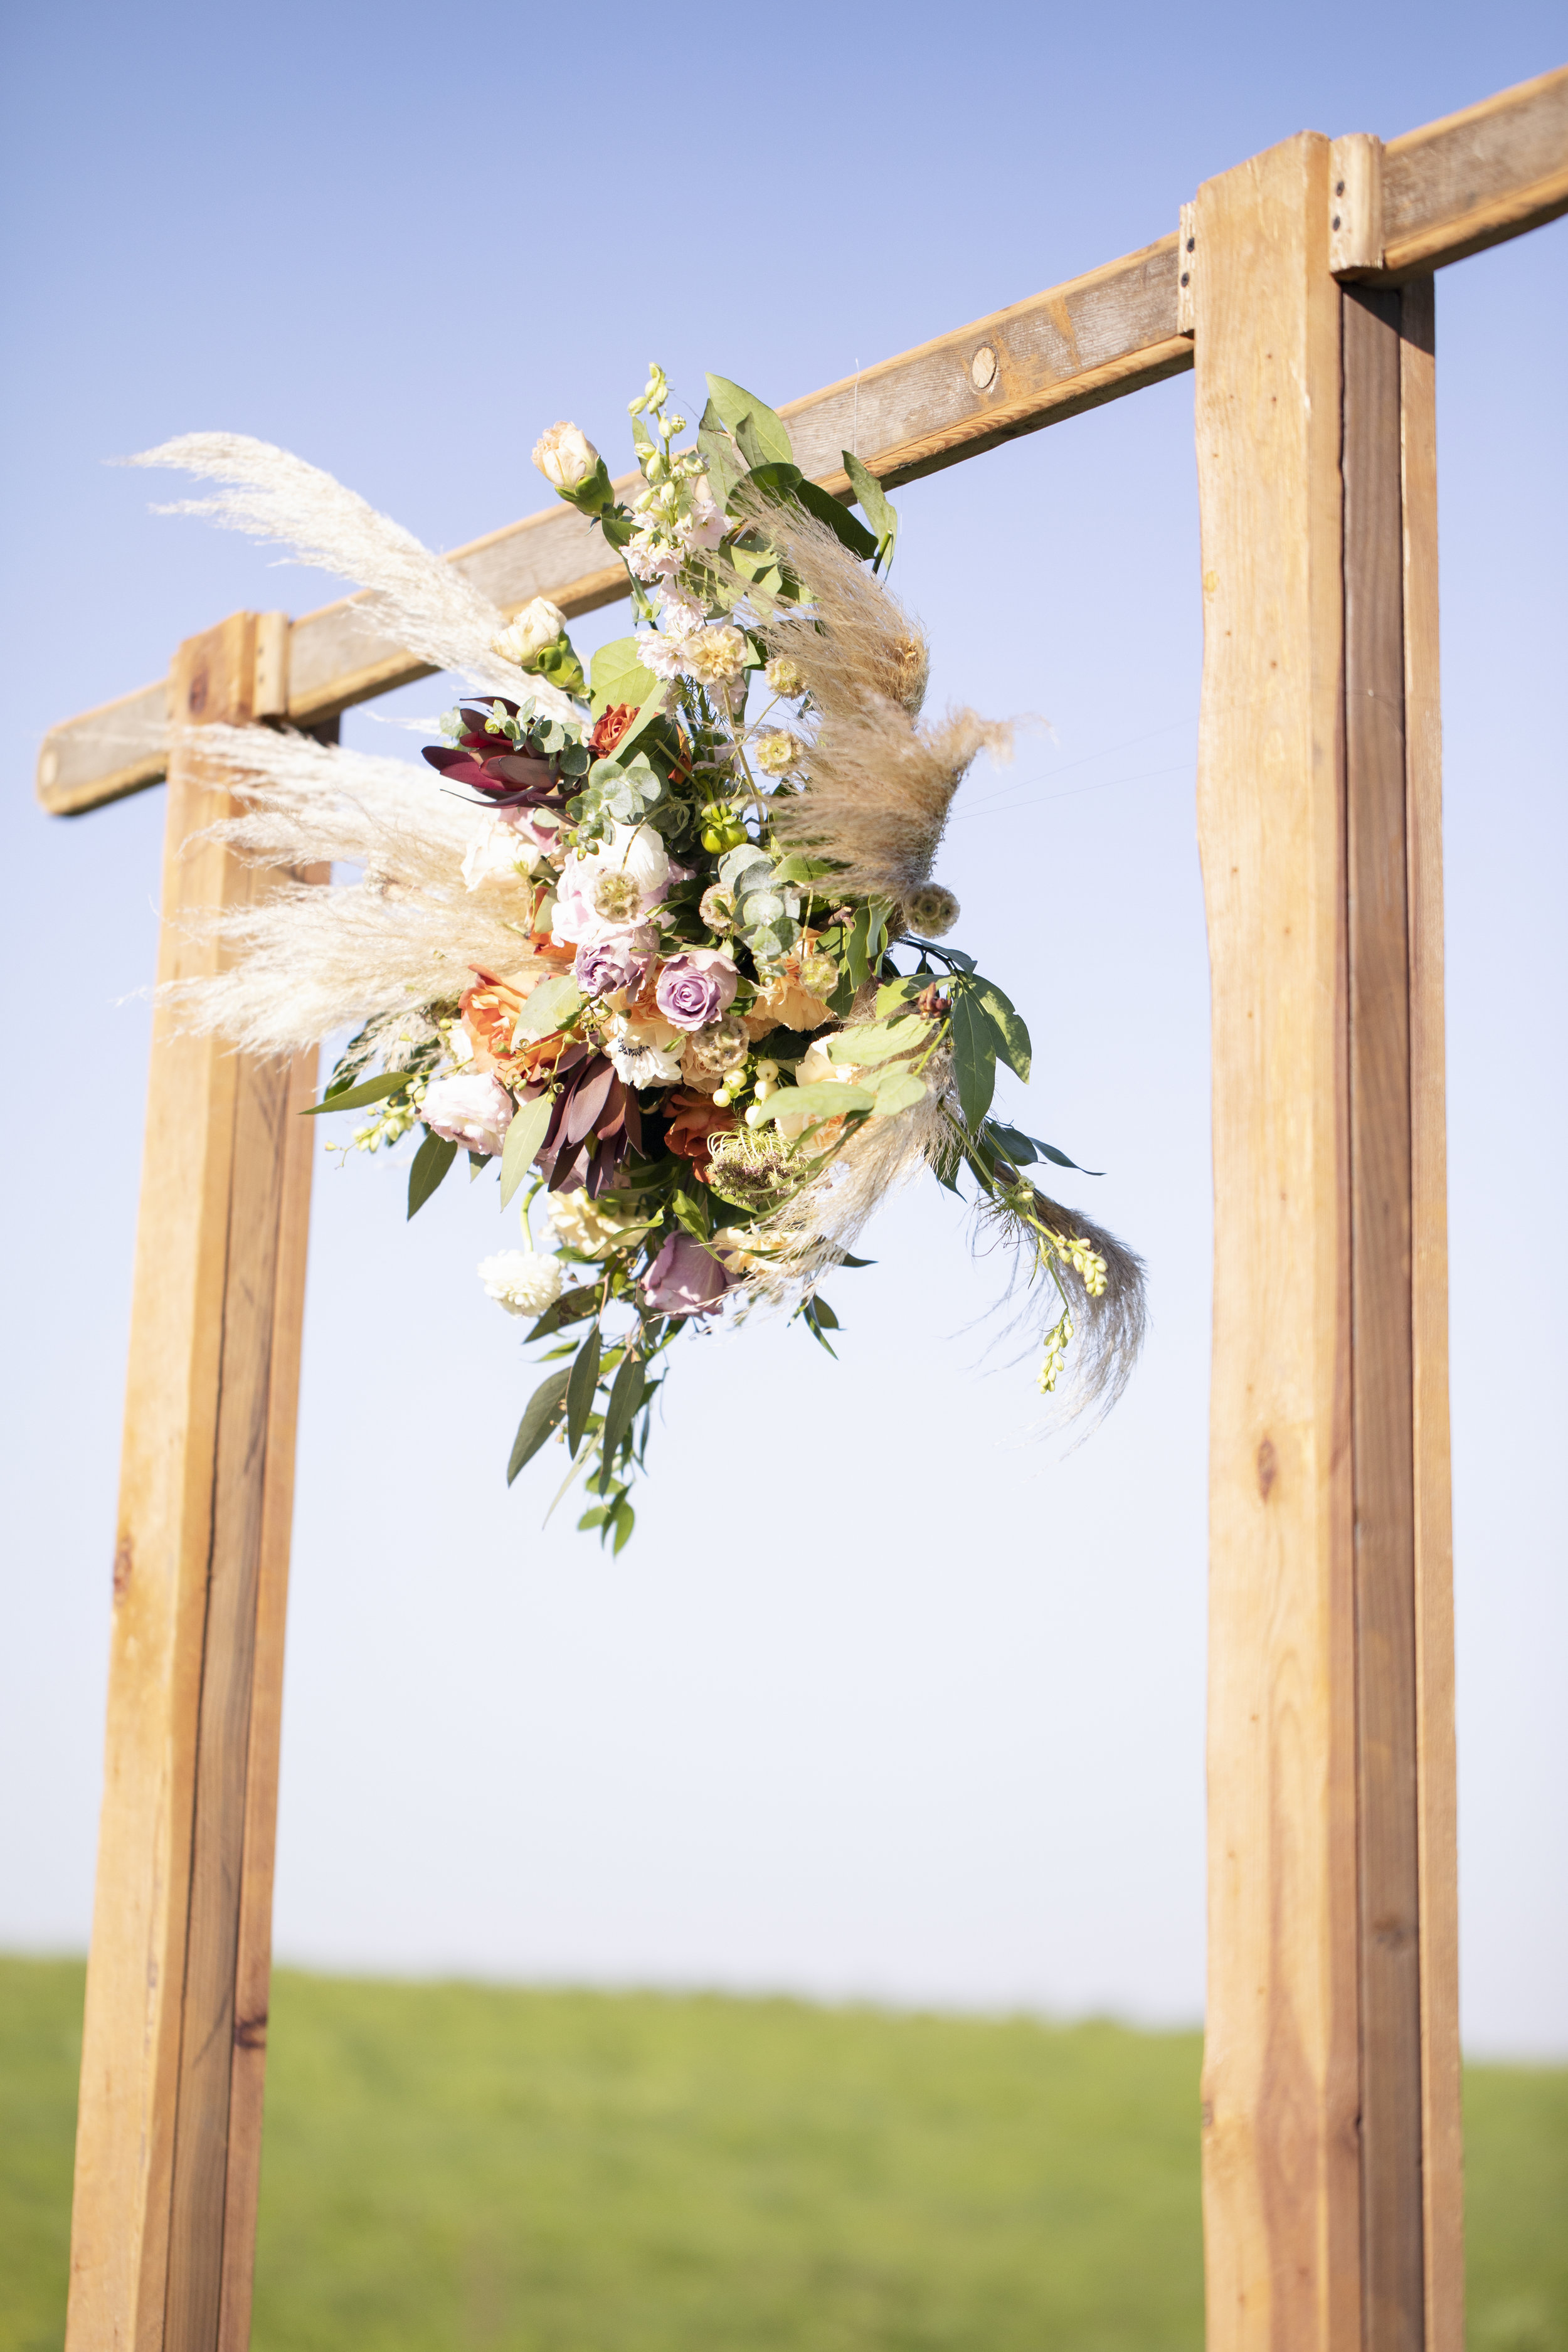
(947, 1747)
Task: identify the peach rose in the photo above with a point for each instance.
(785, 1004)
(695, 1119)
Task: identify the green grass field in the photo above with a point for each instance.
(451, 2166)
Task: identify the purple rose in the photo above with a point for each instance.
(696, 988)
(618, 961)
(685, 1278)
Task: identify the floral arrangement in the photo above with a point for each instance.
(661, 945)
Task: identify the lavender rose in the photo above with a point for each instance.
(696, 988)
(472, 1111)
(685, 1278)
(618, 961)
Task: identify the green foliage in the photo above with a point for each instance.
(617, 676)
(825, 1100)
(974, 1057)
(374, 1090)
(457, 2168)
(582, 1382)
(523, 1137)
(878, 509)
(743, 414)
(549, 1007)
(428, 1169)
(541, 1419)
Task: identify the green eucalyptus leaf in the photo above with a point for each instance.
(879, 510)
(974, 1058)
(617, 676)
(428, 1166)
(854, 948)
(877, 1041)
(825, 1100)
(540, 1416)
(626, 1396)
(838, 519)
(582, 1381)
(896, 991)
(551, 1006)
(898, 1090)
(523, 1137)
(1012, 1037)
(569, 1308)
(626, 1519)
(374, 1090)
(732, 402)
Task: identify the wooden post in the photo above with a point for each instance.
(1332, 2213)
(169, 2125)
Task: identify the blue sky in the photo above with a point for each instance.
(953, 1752)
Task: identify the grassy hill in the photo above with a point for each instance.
(453, 2165)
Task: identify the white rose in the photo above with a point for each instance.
(522, 1282)
(538, 625)
(499, 852)
(565, 456)
(474, 1111)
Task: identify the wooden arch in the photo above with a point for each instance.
(1300, 288)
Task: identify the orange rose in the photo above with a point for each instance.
(695, 1119)
(489, 1014)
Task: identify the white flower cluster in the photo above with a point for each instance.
(522, 1282)
(676, 512)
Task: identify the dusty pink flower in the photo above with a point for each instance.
(685, 1278)
(696, 988)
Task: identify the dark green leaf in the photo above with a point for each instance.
(544, 1410)
(374, 1090)
(855, 946)
(582, 1381)
(1023, 1150)
(838, 519)
(879, 512)
(430, 1164)
(974, 1058)
(626, 1396)
(819, 1320)
(570, 1308)
(1013, 1038)
(733, 403)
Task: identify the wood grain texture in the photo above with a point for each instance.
(1071, 349)
(154, 2117)
(1281, 2216)
(1442, 2156)
(1378, 956)
(1492, 171)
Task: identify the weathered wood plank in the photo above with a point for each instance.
(1069, 349)
(1378, 956)
(1282, 2186)
(1492, 171)
(198, 1500)
(1442, 2167)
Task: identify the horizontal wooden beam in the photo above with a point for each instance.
(1422, 200)
(1454, 187)
(1059, 352)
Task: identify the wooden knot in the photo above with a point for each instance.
(250, 2032)
(1268, 1468)
(123, 1561)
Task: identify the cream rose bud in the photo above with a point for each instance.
(474, 1111)
(538, 625)
(565, 456)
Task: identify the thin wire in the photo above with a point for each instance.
(1016, 783)
(1181, 768)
